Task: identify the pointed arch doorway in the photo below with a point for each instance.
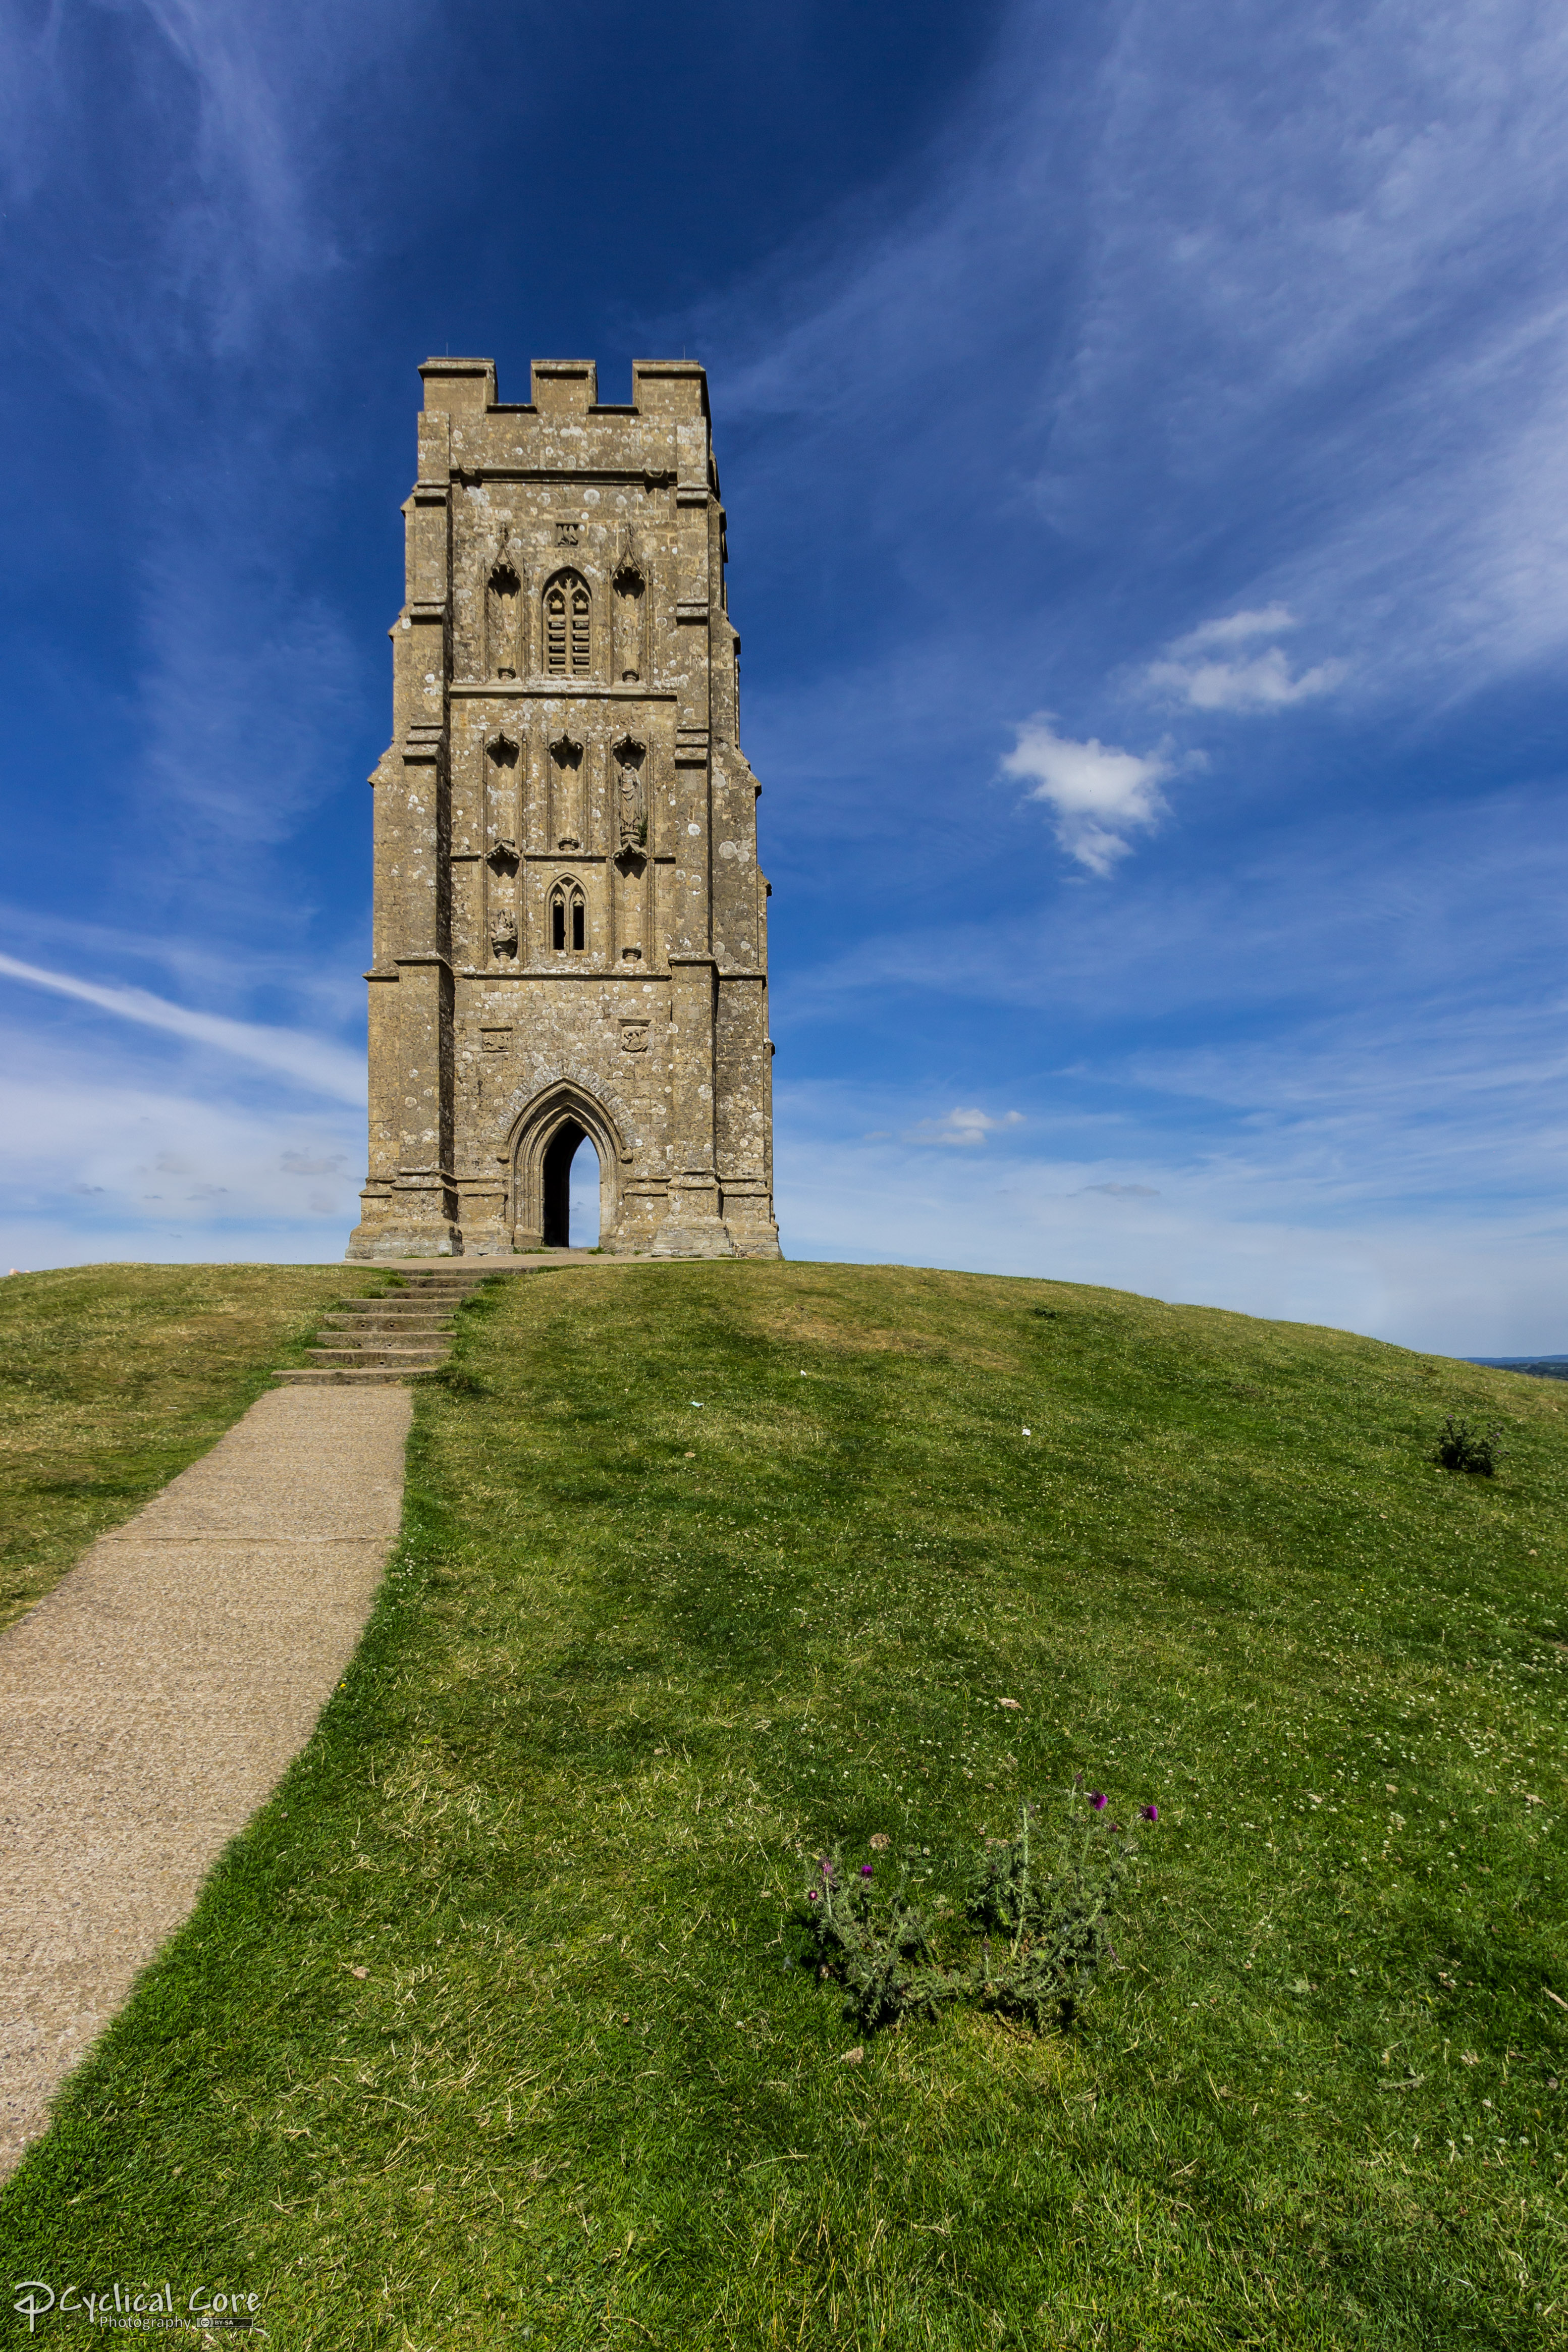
(546, 1140)
(571, 1211)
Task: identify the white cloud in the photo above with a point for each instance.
(1100, 793)
(313, 1062)
(960, 1127)
(1196, 674)
(1264, 683)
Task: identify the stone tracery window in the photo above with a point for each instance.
(568, 627)
(568, 919)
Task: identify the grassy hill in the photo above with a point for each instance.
(492, 2028)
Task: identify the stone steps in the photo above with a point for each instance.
(394, 1310)
(404, 1335)
(402, 1359)
(413, 1326)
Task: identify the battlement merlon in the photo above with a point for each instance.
(461, 387)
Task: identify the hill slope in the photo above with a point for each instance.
(490, 2023)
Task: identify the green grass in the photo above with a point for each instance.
(113, 1378)
(486, 2027)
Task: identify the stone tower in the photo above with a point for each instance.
(571, 929)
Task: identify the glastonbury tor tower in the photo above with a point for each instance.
(571, 929)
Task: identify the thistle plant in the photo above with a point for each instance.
(1037, 1909)
(874, 1942)
(1461, 1447)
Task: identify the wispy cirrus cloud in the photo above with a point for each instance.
(1098, 793)
(316, 1064)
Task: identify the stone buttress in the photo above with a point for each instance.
(571, 929)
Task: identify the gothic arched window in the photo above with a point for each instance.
(568, 627)
(568, 919)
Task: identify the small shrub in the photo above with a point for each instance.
(1461, 1447)
(1030, 1933)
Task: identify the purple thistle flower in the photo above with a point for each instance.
(813, 1894)
(1097, 1800)
(1150, 1812)
(1115, 1829)
(1078, 1779)
(865, 1870)
(827, 1867)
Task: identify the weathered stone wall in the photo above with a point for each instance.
(571, 929)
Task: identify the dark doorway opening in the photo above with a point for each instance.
(560, 1152)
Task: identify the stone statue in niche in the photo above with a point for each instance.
(504, 932)
(630, 805)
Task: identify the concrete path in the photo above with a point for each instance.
(152, 1701)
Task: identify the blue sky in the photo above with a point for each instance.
(1145, 433)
